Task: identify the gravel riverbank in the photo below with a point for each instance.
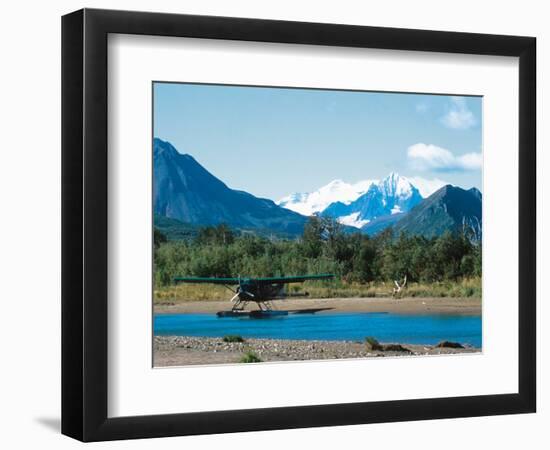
(184, 350)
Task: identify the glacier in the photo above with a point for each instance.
(310, 203)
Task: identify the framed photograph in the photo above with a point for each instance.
(272, 224)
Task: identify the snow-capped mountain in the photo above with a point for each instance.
(392, 195)
(187, 197)
(309, 203)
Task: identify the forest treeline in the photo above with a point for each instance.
(324, 247)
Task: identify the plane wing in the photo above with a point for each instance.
(293, 279)
(211, 280)
(267, 280)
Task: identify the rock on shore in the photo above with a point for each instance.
(184, 350)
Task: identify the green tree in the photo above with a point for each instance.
(158, 238)
(216, 235)
(312, 238)
(365, 265)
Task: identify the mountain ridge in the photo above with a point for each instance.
(184, 190)
(450, 208)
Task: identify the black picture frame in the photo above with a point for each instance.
(84, 224)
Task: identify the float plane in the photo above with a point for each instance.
(261, 291)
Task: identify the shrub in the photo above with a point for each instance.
(250, 357)
(233, 338)
(372, 343)
(395, 348)
(449, 344)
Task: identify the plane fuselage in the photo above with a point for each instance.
(250, 290)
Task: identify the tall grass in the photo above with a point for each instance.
(468, 287)
(191, 292)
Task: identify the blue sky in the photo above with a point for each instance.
(275, 141)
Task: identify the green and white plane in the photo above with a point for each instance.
(262, 291)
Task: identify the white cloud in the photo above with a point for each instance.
(431, 157)
(427, 187)
(459, 117)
